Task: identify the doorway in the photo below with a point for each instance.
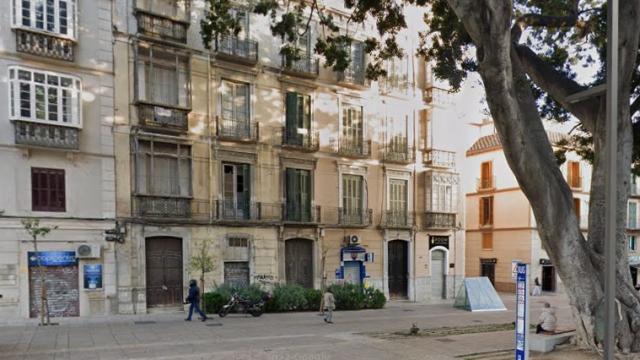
(437, 274)
(299, 262)
(398, 269)
(488, 269)
(548, 278)
(164, 271)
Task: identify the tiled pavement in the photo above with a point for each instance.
(270, 337)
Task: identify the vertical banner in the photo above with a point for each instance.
(522, 312)
(93, 276)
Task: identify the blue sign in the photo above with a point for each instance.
(522, 311)
(93, 276)
(52, 258)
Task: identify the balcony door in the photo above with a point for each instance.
(236, 191)
(398, 201)
(298, 121)
(397, 143)
(235, 97)
(298, 195)
(352, 128)
(352, 199)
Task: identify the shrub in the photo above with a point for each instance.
(288, 298)
(222, 294)
(374, 298)
(348, 296)
(314, 297)
(213, 302)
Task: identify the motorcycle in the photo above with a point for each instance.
(241, 305)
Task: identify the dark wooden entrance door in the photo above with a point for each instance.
(164, 271)
(299, 262)
(398, 268)
(488, 269)
(548, 278)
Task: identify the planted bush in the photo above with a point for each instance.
(348, 296)
(374, 298)
(288, 298)
(222, 294)
(314, 297)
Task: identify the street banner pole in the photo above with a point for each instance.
(611, 190)
(522, 312)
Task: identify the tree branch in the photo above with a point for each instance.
(635, 106)
(538, 20)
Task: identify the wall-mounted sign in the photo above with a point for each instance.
(442, 241)
(52, 258)
(93, 276)
(489, 261)
(545, 262)
(514, 268)
(353, 253)
(369, 257)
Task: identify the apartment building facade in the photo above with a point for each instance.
(500, 225)
(56, 147)
(285, 170)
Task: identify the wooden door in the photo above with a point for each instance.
(164, 271)
(489, 270)
(486, 175)
(299, 262)
(398, 268)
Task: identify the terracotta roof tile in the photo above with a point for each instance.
(492, 142)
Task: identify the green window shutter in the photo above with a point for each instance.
(291, 193)
(245, 200)
(306, 117)
(291, 116)
(305, 194)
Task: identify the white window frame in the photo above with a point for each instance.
(72, 16)
(144, 64)
(433, 203)
(398, 175)
(14, 97)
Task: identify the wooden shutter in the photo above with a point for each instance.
(290, 121)
(486, 174)
(487, 241)
(48, 191)
(481, 210)
(304, 182)
(246, 189)
(576, 206)
(490, 200)
(291, 193)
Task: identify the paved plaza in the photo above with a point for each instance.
(270, 337)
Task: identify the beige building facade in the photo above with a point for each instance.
(288, 172)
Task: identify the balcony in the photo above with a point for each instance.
(400, 156)
(46, 135)
(354, 149)
(151, 206)
(241, 131)
(44, 44)
(436, 220)
(343, 217)
(293, 214)
(301, 139)
(161, 118)
(230, 211)
(161, 27)
(235, 49)
(352, 77)
(394, 219)
(395, 84)
(486, 184)
(305, 67)
(440, 158)
(437, 96)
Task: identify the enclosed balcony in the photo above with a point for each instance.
(231, 211)
(346, 217)
(440, 158)
(306, 67)
(163, 118)
(395, 219)
(301, 139)
(44, 44)
(300, 214)
(161, 27)
(354, 148)
(150, 206)
(233, 48)
(46, 135)
(438, 220)
(241, 131)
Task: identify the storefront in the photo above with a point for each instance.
(353, 259)
(60, 271)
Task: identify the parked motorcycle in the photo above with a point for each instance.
(241, 305)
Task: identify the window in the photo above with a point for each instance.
(47, 190)
(632, 243)
(397, 73)
(173, 9)
(573, 174)
(44, 96)
(298, 119)
(486, 175)
(441, 192)
(298, 194)
(398, 201)
(234, 101)
(487, 241)
(163, 169)
(486, 211)
(355, 72)
(238, 242)
(396, 131)
(162, 76)
(352, 191)
(633, 215)
(576, 207)
(54, 16)
(352, 127)
(236, 190)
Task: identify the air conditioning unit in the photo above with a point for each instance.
(352, 239)
(88, 251)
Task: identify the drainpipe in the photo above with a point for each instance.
(209, 143)
(415, 193)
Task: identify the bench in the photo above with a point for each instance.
(545, 343)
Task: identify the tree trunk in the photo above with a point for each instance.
(528, 152)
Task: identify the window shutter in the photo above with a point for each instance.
(491, 210)
(291, 114)
(246, 190)
(305, 194)
(481, 208)
(291, 196)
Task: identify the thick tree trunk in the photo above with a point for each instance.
(528, 152)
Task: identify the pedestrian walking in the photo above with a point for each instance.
(537, 289)
(329, 306)
(194, 300)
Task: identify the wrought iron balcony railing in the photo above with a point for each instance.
(487, 183)
(346, 217)
(163, 118)
(301, 139)
(161, 27)
(438, 220)
(151, 206)
(244, 50)
(233, 130)
(353, 77)
(302, 214)
(305, 67)
(46, 135)
(44, 44)
(233, 211)
(395, 219)
(398, 155)
(354, 148)
(440, 158)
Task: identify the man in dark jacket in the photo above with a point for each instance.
(194, 299)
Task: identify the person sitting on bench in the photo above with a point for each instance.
(547, 320)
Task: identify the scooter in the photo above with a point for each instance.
(242, 305)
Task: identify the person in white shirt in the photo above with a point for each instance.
(547, 321)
